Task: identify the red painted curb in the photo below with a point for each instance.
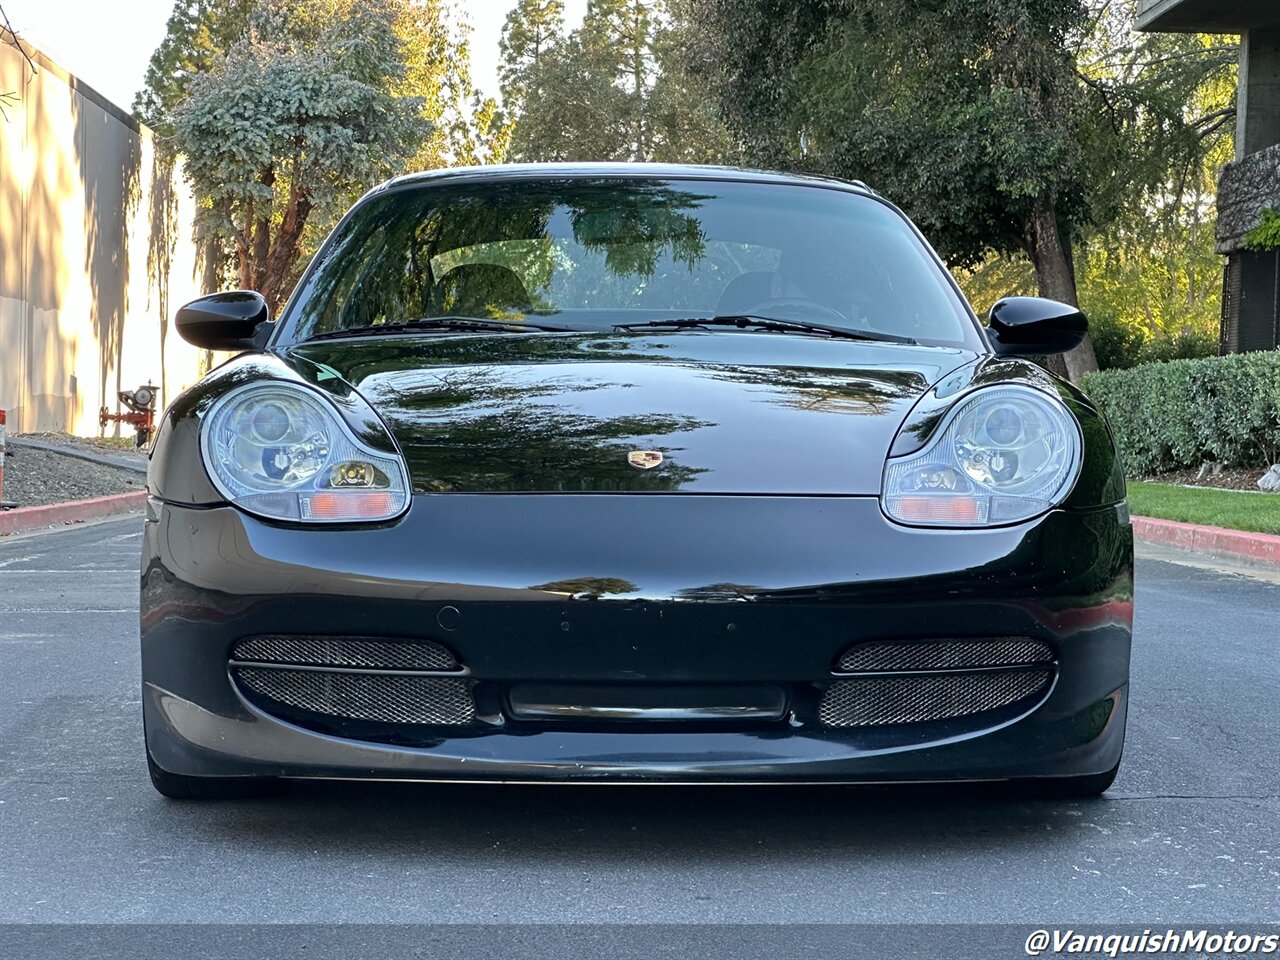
(1255, 547)
(74, 511)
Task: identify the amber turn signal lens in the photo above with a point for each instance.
(351, 505)
(938, 509)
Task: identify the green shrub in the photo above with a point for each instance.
(1266, 235)
(1184, 412)
(1117, 345)
(1120, 345)
(1186, 344)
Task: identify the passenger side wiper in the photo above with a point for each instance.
(742, 321)
(462, 324)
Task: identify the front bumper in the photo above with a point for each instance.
(626, 590)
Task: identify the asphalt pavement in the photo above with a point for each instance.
(1190, 831)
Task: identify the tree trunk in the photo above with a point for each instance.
(285, 252)
(1055, 277)
(258, 233)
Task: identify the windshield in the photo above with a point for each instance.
(588, 254)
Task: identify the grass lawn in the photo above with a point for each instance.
(1236, 510)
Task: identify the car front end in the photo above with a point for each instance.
(619, 555)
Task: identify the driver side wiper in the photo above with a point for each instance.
(441, 323)
(745, 321)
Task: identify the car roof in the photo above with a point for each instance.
(620, 171)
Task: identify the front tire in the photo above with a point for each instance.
(175, 786)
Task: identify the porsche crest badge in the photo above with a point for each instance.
(644, 459)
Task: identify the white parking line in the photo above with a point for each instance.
(8, 563)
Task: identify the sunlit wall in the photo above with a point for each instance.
(83, 244)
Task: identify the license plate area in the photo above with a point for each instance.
(645, 703)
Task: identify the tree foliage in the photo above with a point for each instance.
(199, 34)
(1146, 268)
(1266, 235)
(617, 88)
(295, 115)
(466, 126)
(289, 109)
(532, 29)
(1002, 126)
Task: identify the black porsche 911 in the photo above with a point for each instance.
(632, 473)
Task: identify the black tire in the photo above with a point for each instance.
(1068, 788)
(175, 786)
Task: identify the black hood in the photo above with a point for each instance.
(729, 412)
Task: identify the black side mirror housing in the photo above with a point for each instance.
(237, 320)
(1035, 327)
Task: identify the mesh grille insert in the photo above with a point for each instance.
(945, 654)
(346, 652)
(381, 698)
(879, 701)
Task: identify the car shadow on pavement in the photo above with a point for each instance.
(584, 823)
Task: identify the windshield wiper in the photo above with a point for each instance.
(461, 324)
(743, 321)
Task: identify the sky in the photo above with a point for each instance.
(107, 44)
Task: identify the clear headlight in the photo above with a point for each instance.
(1002, 455)
(279, 451)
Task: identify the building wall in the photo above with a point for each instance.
(83, 281)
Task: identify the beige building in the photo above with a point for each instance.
(96, 252)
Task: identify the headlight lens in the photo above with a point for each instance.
(1003, 455)
(280, 451)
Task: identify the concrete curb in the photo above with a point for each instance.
(25, 519)
(1256, 548)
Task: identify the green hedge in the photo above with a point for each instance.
(1185, 412)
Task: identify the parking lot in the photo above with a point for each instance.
(1190, 831)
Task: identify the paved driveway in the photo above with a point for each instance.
(1190, 832)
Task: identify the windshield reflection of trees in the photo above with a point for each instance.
(721, 592)
(589, 588)
(388, 263)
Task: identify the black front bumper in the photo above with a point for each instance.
(634, 592)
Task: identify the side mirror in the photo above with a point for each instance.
(1035, 327)
(238, 320)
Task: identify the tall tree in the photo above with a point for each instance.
(434, 48)
(298, 112)
(209, 39)
(622, 33)
(617, 88)
(976, 115)
(684, 114)
(532, 29)
(466, 125)
(198, 35)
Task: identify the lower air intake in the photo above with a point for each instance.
(944, 654)
(359, 652)
(882, 701)
(373, 697)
